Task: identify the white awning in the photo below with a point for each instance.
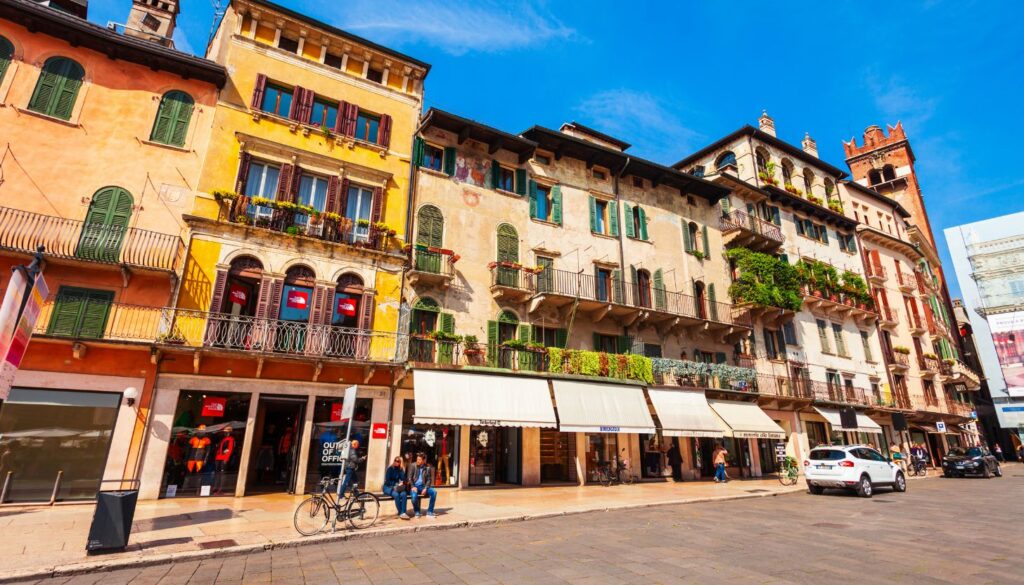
(475, 399)
(864, 424)
(585, 407)
(746, 420)
(685, 413)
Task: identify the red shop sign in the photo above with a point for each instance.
(214, 406)
(346, 306)
(379, 431)
(238, 294)
(336, 411)
(298, 299)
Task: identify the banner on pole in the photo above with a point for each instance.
(14, 337)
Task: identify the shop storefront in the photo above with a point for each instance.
(557, 457)
(745, 423)
(326, 440)
(55, 437)
(495, 455)
(688, 421)
(438, 442)
(867, 431)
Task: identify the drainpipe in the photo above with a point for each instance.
(622, 231)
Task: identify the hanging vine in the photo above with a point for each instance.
(765, 280)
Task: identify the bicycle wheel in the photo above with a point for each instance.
(788, 477)
(604, 477)
(362, 511)
(626, 477)
(312, 516)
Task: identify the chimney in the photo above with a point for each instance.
(809, 145)
(153, 20)
(765, 123)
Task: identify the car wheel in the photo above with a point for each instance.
(999, 471)
(985, 472)
(900, 485)
(864, 488)
(816, 490)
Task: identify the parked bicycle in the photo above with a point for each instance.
(790, 472)
(360, 509)
(918, 468)
(621, 474)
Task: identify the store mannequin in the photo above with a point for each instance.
(199, 445)
(225, 449)
(443, 471)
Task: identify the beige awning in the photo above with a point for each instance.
(586, 407)
(685, 413)
(864, 424)
(475, 399)
(746, 420)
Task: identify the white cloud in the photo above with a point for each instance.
(456, 26)
(641, 119)
(899, 101)
(181, 41)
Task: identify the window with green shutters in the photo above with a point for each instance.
(508, 251)
(660, 296)
(105, 225)
(837, 333)
(520, 181)
(6, 54)
(823, 336)
(172, 118)
(80, 313)
(636, 221)
(57, 88)
(712, 302)
(866, 344)
(449, 161)
(604, 216)
(430, 233)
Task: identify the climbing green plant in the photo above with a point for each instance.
(765, 280)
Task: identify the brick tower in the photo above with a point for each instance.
(886, 164)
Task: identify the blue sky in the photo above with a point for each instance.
(670, 77)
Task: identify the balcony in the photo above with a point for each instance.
(69, 239)
(928, 366)
(922, 282)
(291, 220)
(957, 372)
(825, 392)
(511, 282)
(875, 273)
(273, 337)
(904, 281)
(958, 408)
(898, 360)
(937, 327)
(703, 376)
(432, 267)
(888, 318)
(916, 324)
(113, 322)
(838, 305)
(740, 229)
(782, 387)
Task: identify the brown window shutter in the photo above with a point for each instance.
(293, 194)
(243, 172)
(326, 306)
(343, 197)
(378, 205)
(302, 104)
(284, 183)
(339, 122)
(263, 301)
(348, 114)
(332, 194)
(217, 302)
(257, 92)
(274, 306)
(384, 134)
(317, 306)
(366, 311)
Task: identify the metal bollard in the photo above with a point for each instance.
(56, 487)
(7, 485)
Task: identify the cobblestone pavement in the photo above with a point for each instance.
(940, 531)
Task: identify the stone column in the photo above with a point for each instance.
(246, 457)
(529, 448)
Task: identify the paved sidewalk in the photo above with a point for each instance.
(43, 540)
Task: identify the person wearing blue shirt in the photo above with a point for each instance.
(394, 486)
(421, 480)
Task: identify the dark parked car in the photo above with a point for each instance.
(970, 461)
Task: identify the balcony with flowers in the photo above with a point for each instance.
(841, 294)
(430, 265)
(898, 358)
(513, 282)
(956, 372)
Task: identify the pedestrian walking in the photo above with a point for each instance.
(675, 460)
(421, 481)
(999, 453)
(395, 486)
(897, 456)
(351, 466)
(718, 458)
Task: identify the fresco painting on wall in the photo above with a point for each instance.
(472, 170)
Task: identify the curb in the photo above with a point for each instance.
(166, 558)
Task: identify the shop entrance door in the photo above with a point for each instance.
(273, 466)
(494, 455)
(509, 455)
(557, 456)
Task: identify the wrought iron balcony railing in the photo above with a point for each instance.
(24, 231)
(827, 392)
(740, 220)
(80, 317)
(432, 263)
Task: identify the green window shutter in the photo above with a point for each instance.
(533, 200)
(524, 332)
(593, 214)
(707, 246)
(851, 244)
(447, 323)
(623, 344)
(66, 313)
(449, 161)
(618, 288)
(784, 258)
(632, 274)
(561, 337)
(492, 333)
(712, 302)
(800, 227)
(687, 240)
(165, 116)
(520, 181)
(823, 337)
(643, 223)
(660, 300)
(726, 205)
(495, 178)
(81, 313)
(46, 89)
(57, 88)
(417, 151)
(556, 204)
(508, 244)
(630, 231)
(597, 342)
(429, 226)
(179, 106)
(613, 217)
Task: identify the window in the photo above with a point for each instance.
(367, 126)
(602, 284)
(692, 237)
(866, 343)
(312, 192)
(771, 348)
(604, 217)
(80, 313)
(106, 223)
(830, 188)
(606, 343)
(888, 173)
(286, 44)
(651, 350)
(433, 157)
(172, 118)
(789, 333)
(761, 160)
(359, 208)
(847, 242)
(325, 113)
(874, 177)
(728, 159)
(599, 175)
(262, 182)
(697, 171)
(506, 179)
(638, 182)
(639, 222)
(542, 202)
(808, 180)
(424, 316)
(787, 172)
(542, 159)
(549, 336)
(277, 100)
(837, 333)
(57, 88)
(332, 60)
(375, 75)
(823, 336)
(6, 53)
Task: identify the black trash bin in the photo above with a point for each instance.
(112, 522)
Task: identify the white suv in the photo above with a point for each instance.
(852, 467)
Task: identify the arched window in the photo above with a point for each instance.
(874, 177)
(761, 158)
(808, 181)
(429, 226)
(105, 226)
(242, 288)
(508, 243)
(694, 243)
(297, 296)
(888, 173)
(699, 298)
(830, 188)
(787, 172)
(6, 54)
(726, 159)
(348, 295)
(57, 88)
(172, 119)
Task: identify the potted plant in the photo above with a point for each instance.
(262, 202)
(901, 349)
(292, 230)
(835, 205)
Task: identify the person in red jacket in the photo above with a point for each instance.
(225, 449)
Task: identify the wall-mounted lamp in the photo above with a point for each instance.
(130, 394)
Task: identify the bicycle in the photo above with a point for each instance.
(607, 477)
(360, 509)
(790, 472)
(918, 468)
